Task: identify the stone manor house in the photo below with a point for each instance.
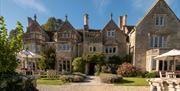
(157, 32)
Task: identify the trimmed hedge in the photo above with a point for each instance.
(110, 78)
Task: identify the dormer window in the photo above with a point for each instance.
(111, 33)
(66, 35)
(160, 20)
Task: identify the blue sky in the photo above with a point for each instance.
(98, 10)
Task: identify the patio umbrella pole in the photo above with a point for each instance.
(174, 68)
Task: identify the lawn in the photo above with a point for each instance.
(133, 81)
(50, 81)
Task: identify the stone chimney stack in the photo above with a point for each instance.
(122, 21)
(86, 22)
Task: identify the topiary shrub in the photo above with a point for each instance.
(110, 78)
(127, 70)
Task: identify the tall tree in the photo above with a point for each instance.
(78, 64)
(9, 47)
(48, 59)
(52, 24)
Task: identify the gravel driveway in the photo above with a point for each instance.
(91, 84)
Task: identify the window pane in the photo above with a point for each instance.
(94, 49)
(161, 20)
(106, 50)
(114, 49)
(113, 33)
(157, 20)
(90, 49)
(110, 50)
(156, 42)
(64, 65)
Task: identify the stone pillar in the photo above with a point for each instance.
(168, 65)
(157, 65)
(163, 65)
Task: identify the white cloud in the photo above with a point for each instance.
(34, 4)
(101, 5)
(142, 4)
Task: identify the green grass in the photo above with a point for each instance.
(50, 81)
(133, 81)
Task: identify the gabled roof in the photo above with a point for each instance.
(110, 21)
(35, 24)
(68, 24)
(153, 6)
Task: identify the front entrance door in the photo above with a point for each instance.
(91, 69)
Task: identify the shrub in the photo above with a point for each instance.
(127, 70)
(110, 78)
(66, 78)
(78, 64)
(77, 78)
(151, 75)
(17, 82)
(80, 74)
(105, 69)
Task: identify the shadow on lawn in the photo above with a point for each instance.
(123, 81)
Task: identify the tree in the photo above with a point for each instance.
(9, 47)
(97, 58)
(48, 59)
(78, 64)
(52, 24)
(113, 63)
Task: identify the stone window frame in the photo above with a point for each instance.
(161, 41)
(111, 49)
(66, 34)
(64, 65)
(92, 49)
(160, 20)
(64, 47)
(111, 33)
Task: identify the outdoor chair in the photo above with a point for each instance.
(162, 74)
